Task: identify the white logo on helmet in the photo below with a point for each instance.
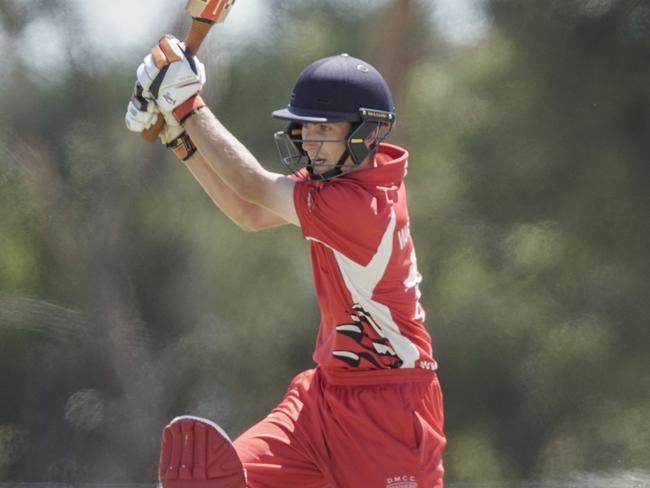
(362, 68)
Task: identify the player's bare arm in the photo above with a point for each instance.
(239, 169)
(248, 216)
(172, 77)
(183, 84)
(141, 116)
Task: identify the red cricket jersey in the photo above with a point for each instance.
(365, 269)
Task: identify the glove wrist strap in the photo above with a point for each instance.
(182, 147)
(188, 108)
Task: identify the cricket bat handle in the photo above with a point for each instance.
(195, 36)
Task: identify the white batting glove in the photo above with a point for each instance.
(141, 113)
(171, 130)
(173, 77)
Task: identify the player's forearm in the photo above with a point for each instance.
(228, 157)
(246, 215)
(222, 196)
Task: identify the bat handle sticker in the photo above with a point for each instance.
(214, 11)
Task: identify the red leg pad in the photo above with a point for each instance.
(197, 453)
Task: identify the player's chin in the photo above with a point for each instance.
(320, 166)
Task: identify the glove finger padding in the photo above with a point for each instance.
(196, 453)
(141, 113)
(171, 74)
(137, 120)
(142, 101)
(146, 73)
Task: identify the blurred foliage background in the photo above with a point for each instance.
(126, 298)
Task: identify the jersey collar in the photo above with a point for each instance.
(391, 165)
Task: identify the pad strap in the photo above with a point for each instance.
(183, 147)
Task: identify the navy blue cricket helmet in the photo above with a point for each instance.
(337, 89)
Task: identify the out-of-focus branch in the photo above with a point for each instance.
(391, 42)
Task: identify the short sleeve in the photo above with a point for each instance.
(342, 215)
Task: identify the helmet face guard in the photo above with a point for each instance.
(369, 129)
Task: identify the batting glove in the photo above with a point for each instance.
(173, 77)
(142, 113)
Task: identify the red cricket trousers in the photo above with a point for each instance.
(374, 429)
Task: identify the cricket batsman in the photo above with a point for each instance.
(370, 414)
